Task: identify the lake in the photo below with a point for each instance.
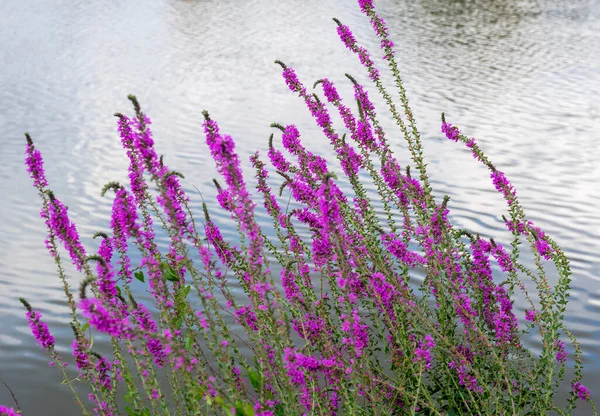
(522, 76)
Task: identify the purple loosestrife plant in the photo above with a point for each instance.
(8, 411)
(332, 319)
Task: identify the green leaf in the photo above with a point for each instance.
(279, 410)
(139, 275)
(254, 378)
(189, 341)
(225, 406)
(239, 409)
(178, 322)
(85, 327)
(186, 290)
(248, 409)
(119, 290)
(243, 409)
(168, 272)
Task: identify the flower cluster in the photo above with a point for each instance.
(357, 299)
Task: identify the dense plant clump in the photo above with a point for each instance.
(334, 319)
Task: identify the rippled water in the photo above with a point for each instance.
(522, 76)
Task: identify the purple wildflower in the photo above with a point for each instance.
(39, 329)
(399, 250)
(8, 411)
(464, 378)
(57, 220)
(136, 167)
(561, 353)
(222, 149)
(144, 145)
(246, 314)
(530, 315)
(451, 132)
(291, 79)
(278, 160)
(329, 206)
(365, 59)
(310, 327)
(330, 91)
(103, 368)
(106, 283)
(270, 202)
(503, 258)
(35, 164)
(581, 391)
(387, 295)
(291, 139)
(497, 307)
(80, 352)
(224, 199)
(347, 37)
(145, 322)
(172, 200)
(124, 225)
(350, 160)
(423, 351)
(544, 249)
(103, 321)
(365, 5)
(360, 335)
(503, 186)
(213, 234)
(323, 250)
(387, 44)
(291, 289)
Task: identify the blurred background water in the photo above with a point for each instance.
(523, 76)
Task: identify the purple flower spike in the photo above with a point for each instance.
(8, 411)
(247, 315)
(80, 352)
(365, 5)
(291, 79)
(451, 132)
(222, 149)
(103, 321)
(328, 204)
(146, 323)
(57, 220)
(291, 139)
(561, 354)
(346, 37)
(530, 315)
(136, 167)
(106, 282)
(330, 91)
(144, 144)
(503, 186)
(581, 391)
(423, 351)
(278, 160)
(103, 368)
(39, 329)
(35, 164)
